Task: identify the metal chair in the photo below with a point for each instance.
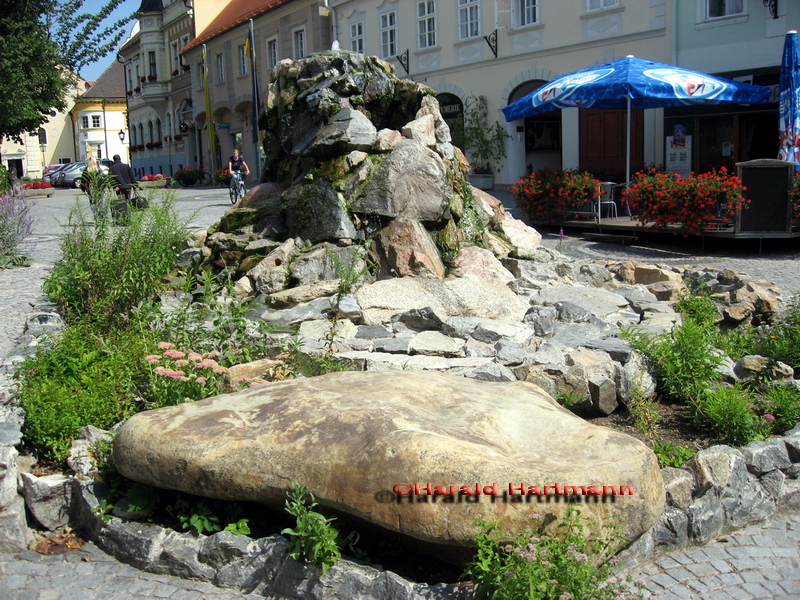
(606, 199)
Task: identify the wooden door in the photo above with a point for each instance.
(603, 142)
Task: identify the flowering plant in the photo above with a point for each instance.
(222, 175)
(693, 203)
(36, 185)
(179, 377)
(550, 194)
(156, 177)
(178, 137)
(142, 78)
(174, 73)
(137, 89)
(564, 563)
(188, 175)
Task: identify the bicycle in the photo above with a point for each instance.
(237, 188)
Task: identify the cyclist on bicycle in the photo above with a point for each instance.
(235, 164)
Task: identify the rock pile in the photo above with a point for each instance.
(362, 167)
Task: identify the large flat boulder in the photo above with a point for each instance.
(388, 298)
(352, 437)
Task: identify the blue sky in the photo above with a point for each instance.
(93, 70)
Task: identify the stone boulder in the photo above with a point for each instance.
(360, 441)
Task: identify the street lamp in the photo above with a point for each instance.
(121, 136)
(42, 147)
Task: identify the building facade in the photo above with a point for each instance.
(281, 29)
(496, 49)
(98, 117)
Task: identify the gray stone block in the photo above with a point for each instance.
(766, 456)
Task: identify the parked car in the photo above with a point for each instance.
(70, 177)
(50, 173)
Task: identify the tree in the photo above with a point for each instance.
(79, 35)
(43, 43)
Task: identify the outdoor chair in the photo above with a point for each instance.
(606, 199)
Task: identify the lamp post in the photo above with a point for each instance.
(43, 147)
(121, 135)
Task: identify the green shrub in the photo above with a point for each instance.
(684, 361)
(781, 406)
(105, 271)
(78, 379)
(781, 341)
(313, 538)
(570, 564)
(728, 412)
(670, 455)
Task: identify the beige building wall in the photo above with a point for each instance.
(566, 36)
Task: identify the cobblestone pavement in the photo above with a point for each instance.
(757, 563)
(90, 574)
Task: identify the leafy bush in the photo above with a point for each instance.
(313, 538)
(80, 378)
(16, 224)
(693, 203)
(670, 455)
(569, 565)
(781, 405)
(222, 175)
(781, 340)
(550, 194)
(105, 272)
(485, 144)
(728, 411)
(684, 361)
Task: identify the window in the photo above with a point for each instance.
(84, 122)
(469, 19)
(201, 75)
(724, 8)
(96, 121)
(42, 136)
(357, 37)
(426, 23)
(272, 52)
(176, 59)
(528, 12)
(242, 60)
(130, 78)
(598, 4)
(151, 61)
(220, 68)
(389, 35)
(300, 43)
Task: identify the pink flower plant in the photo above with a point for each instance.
(179, 376)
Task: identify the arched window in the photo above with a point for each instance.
(150, 137)
(42, 136)
(158, 130)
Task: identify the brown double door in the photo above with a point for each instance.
(603, 142)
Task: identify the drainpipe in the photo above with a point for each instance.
(675, 32)
(334, 20)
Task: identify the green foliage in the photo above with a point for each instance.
(781, 341)
(105, 272)
(99, 187)
(535, 566)
(313, 538)
(684, 361)
(33, 82)
(80, 378)
(485, 144)
(670, 455)
(645, 412)
(550, 194)
(569, 400)
(188, 176)
(699, 308)
(728, 411)
(781, 405)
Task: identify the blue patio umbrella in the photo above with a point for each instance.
(633, 83)
(789, 102)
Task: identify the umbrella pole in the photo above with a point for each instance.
(628, 146)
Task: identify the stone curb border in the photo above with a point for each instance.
(719, 490)
(229, 560)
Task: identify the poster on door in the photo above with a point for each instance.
(679, 151)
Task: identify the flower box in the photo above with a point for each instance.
(157, 183)
(37, 192)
